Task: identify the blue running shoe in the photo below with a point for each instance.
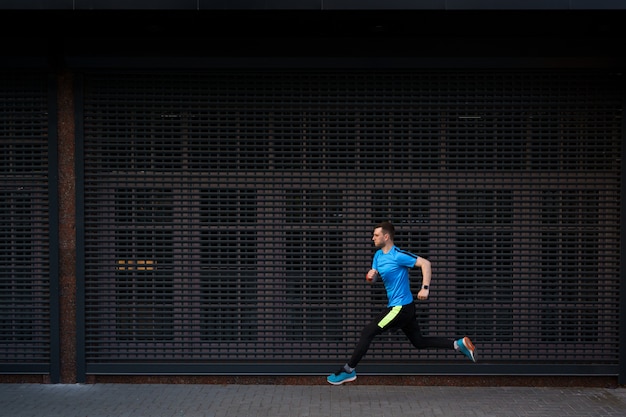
(467, 348)
(341, 376)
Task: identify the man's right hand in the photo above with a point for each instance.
(372, 276)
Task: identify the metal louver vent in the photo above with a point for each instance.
(228, 214)
(25, 275)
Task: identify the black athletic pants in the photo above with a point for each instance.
(399, 317)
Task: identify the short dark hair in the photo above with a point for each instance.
(387, 228)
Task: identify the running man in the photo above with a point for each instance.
(391, 264)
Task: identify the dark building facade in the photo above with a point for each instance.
(190, 189)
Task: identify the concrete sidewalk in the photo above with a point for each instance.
(160, 400)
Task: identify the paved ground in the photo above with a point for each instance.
(158, 400)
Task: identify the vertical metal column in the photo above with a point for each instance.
(67, 225)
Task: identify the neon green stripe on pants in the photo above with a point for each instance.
(389, 317)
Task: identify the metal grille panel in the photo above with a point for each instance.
(24, 234)
(228, 215)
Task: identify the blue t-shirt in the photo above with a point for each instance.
(393, 268)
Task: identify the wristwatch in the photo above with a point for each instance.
(424, 287)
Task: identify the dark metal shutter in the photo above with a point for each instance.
(25, 271)
(228, 217)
